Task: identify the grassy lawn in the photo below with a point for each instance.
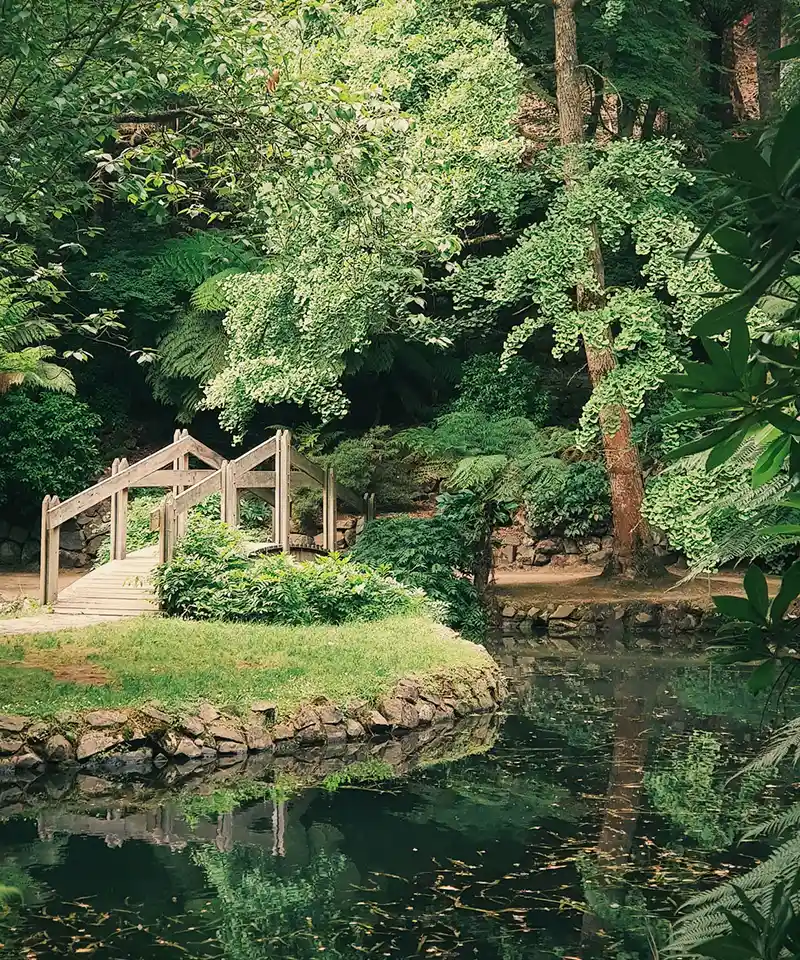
(179, 663)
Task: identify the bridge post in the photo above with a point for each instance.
(114, 513)
(180, 463)
(229, 501)
(329, 511)
(120, 543)
(49, 559)
(283, 489)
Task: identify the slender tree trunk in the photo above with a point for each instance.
(649, 122)
(633, 543)
(769, 36)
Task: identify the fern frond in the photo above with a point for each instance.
(706, 919)
(480, 474)
(784, 742)
(777, 826)
(192, 259)
(24, 333)
(210, 296)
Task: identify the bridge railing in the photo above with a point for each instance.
(188, 487)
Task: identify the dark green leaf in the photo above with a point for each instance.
(763, 676)
(755, 586)
(734, 242)
(783, 422)
(771, 460)
(730, 271)
(739, 347)
(725, 450)
(789, 591)
(706, 442)
(737, 608)
(722, 317)
(741, 160)
(785, 157)
(790, 52)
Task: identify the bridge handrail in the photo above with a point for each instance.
(111, 485)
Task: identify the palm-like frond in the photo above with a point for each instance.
(785, 743)
(706, 918)
(778, 826)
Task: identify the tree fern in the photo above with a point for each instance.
(193, 349)
(708, 913)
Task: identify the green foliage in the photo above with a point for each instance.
(574, 502)
(691, 791)
(514, 390)
(429, 554)
(255, 517)
(360, 772)
(48, 445)
(264, 915)
(628, 192)
(211, 578)
(378, 462)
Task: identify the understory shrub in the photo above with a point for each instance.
(48, 444)
(574, 502)
(211, 578)
(514, 391)
(377, 462)
(430, 554)
(255, 518)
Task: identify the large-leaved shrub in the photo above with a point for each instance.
(48, 444)
(432, 554)
(212, 578)
(573, 501)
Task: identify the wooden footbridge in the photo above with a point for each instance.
(121, 587)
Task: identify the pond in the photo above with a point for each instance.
(584, 819)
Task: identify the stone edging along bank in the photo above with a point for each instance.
(136, 735)
(682, 620)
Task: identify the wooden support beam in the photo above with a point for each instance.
(180, 464)
(370, 508)
(114, 534)
(176, 478)
(255, 457)
(350, 497)
(329, 511)
(121, 548)
(103, 490)
(283, 489)
(313, 470)
(202, 452)
(43, 557)
(199, 491)
(229, 500)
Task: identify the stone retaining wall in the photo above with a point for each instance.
(519, 549)
(151, 735)
(81, 539)
(593, 624)
(147, 800)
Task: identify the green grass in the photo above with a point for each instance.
(180, 663)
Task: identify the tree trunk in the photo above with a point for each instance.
(633, 544)
(649, 122)
(768, 38)
(626, 781)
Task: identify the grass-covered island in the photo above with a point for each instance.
(188, 688)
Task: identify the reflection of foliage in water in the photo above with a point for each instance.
(362, 771)
(693, 793)
(264, 916)
(223, 799)
(485, 800)
(571, 709)
(621, 909)
(717, 691)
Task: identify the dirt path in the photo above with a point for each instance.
(582, 585)
(14, 585)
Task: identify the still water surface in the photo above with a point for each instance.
(601, 804)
